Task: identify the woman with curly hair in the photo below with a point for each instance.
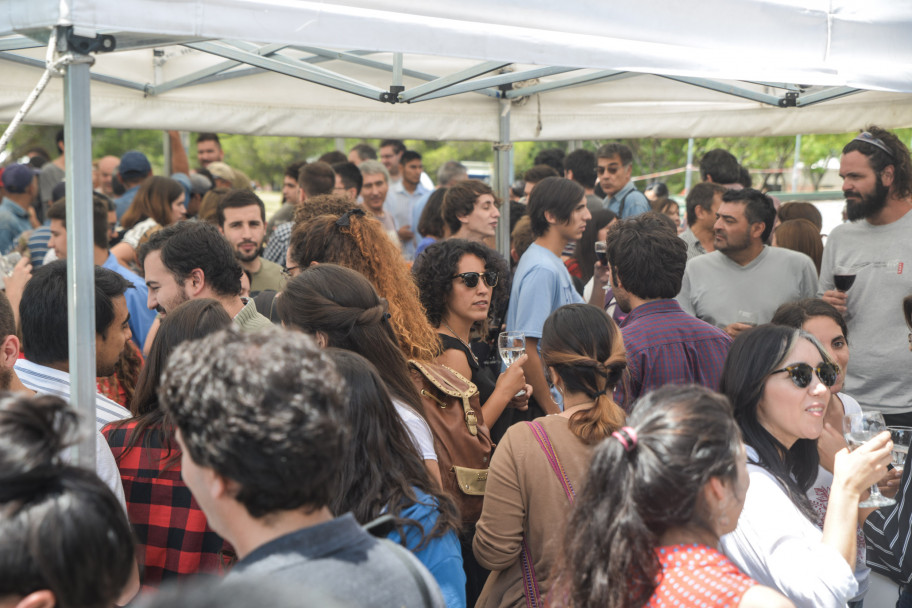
(461, 283)
(538, 464)
(659, 495)
(359, 242)
(158, 203)
(383, 474)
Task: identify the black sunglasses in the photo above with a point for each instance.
(800, 373)
(471, 278)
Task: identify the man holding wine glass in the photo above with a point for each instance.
(865, 272)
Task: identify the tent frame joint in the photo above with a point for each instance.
(790, 100)
(392, 96)
(84, 45)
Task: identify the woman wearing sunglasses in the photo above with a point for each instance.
(778, 380)
(460, 283)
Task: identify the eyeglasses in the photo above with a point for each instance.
(800, 373)
(471, 278)
(289, 273)
(877, 143)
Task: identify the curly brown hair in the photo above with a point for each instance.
(322, 204)
(361, 244)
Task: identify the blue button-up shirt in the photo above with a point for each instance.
(635, 202)
(14, 220)
(665, 345)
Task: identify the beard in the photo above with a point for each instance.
(861, 206)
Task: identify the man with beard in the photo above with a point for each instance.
(190, 260)
(242, 219)
(744, 281)
(875, 248)
(664, 344)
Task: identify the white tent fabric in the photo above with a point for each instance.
(815, 43)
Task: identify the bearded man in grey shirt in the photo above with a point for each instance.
(875, 248)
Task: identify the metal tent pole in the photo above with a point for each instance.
(796, 173)
(80, 258)
(688, 178)
(503, 177)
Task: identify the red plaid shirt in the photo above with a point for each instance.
(170, 527)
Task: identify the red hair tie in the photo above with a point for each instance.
(630, 441)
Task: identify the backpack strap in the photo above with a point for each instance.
(621, 206)
(530, 583)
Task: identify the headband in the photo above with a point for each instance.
(345, 218)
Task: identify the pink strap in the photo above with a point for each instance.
(530, 583)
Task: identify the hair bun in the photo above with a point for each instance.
(33, 433)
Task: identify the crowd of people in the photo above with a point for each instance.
(318, 407)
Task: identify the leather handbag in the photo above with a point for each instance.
(461, 438)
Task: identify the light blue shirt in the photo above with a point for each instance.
(401, 204)
(14, 220)
(123, 203)
(137, 297)
(635, 202)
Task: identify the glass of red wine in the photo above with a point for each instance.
(601, 252)
(844, 278)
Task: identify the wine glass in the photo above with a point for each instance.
(859, 428)
(844, 277)
(512, 346)
(601, 252)
(902, 438)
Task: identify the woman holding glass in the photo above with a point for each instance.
(538, 464)
(460, 282)
(778, 380)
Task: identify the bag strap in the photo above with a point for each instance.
(530, 583)
(539, 432)
(621, 206)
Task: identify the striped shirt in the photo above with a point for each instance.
(888, 534)
(47, 381)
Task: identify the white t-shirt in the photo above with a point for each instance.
(418, 430)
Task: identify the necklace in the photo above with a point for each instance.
(464, 343)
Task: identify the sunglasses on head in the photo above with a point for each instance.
(801, 373)
(471, 278)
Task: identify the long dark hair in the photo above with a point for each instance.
(381, 467)
(753, 355)
(685, 435)
(585, 246)
(343, 305)
(61, 528)
(584, 346)
(189, 321)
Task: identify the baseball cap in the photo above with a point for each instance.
(134, 162)
(18, 177)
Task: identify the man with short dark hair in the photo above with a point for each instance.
(134, 169)
(664, 344)
(542, 284)
(190, 260)
(615, 166)
(21, 185)
(360, 153)
(703, 202)
(314, 179)
(43, 321)
(136, 295)
(580, 166)
(391, 151)
(291, 195)
(744, 281)
(275, 399)
(875, 248)
(241, 217)
(406, 200)
(348, 180)
(721, 167)
(208, 149)
(536, 174)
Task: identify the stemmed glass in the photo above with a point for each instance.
(859, 428)
(512, 346)
(902, 438)
(601, 252)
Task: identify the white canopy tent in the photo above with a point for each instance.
(479, 70)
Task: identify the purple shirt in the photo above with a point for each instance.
(665, 345)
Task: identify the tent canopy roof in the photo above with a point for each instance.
(577, 70)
